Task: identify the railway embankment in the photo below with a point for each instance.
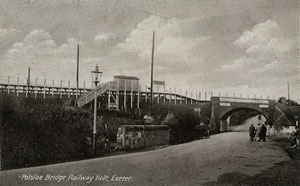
(37, 132)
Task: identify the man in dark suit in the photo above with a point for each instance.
(263, 132)
(251, 132)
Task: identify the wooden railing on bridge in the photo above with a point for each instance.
(115, 96)
(118, 97)
(42, 91)
(41, 88)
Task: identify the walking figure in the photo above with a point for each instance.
(258, 133)
(251, 132)
(207, 131)
(263, 132)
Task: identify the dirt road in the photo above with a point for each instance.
(244, 126)
(193, 163)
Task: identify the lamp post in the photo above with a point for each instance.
(96, 76)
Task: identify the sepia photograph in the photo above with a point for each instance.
(149, 92)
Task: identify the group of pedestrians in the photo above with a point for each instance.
(259, 133)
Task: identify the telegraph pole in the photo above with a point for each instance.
(152, 60)
(28, 81)
(288, 84)
(77, 73)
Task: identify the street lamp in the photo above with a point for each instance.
(96, 76)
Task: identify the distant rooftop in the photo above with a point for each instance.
(126, 77)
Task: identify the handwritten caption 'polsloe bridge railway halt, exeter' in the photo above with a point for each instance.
(71, 177)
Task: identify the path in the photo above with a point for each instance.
(193, 163)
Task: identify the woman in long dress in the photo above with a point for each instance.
(257, 133)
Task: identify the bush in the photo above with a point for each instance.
(36, 132)
(180, 118)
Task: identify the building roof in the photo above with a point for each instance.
(126, 77)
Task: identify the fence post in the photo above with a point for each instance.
(83, 87)
(164, 94)
(175, 96)
(158, 97)
(108, 99)
(27, 90)
(35, 92)
(69, 89)
(131, 95)
(17, 87)
(125, 106)
(8, 84)
(199, 96)
(52, 88)
(186, 100)
(170, 95)
(146, 94)
(180, 97)
(118, 95)
(45, 88)
(60, 89)
(138, 100)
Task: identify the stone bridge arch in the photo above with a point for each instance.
(228, 112)
(224, 107)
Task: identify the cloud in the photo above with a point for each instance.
(260, 33)
(37, 42)
(268, 51)
(140, 39)
(175, 51)
(178, 50)
(39, 51)
(270, 57)
(240, 63)
(264, 37)
(104, 37)
(4, 32)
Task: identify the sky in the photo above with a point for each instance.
(222, 46)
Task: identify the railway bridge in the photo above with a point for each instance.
(277, 114)
(124, 93)
(223, 107)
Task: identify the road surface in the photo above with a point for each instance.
(244, 126)
(193, 163)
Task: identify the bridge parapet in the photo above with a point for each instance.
(241, 100)
(223, 107)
